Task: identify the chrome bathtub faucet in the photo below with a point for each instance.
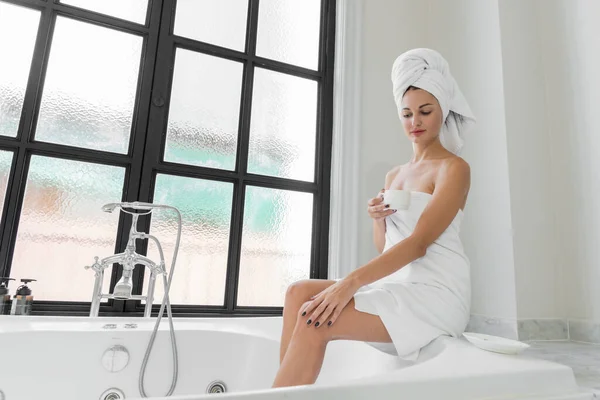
(128, 259)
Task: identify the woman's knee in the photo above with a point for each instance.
(298, 291)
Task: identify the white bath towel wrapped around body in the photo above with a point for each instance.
(431, 296)
(427, 298)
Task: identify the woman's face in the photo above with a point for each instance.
(421, 116)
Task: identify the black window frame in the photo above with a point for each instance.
(143, 160)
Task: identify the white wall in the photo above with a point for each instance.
(537, 271)
(466, 32)
(572, 60)
(528, 69)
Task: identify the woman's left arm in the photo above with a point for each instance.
(451, 186)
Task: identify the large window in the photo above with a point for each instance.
(220, 108)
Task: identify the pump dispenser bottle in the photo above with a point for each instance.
(4, 296)
(23, 299)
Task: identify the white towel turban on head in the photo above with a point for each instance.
(428, 70)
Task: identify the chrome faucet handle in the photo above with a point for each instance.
(161, 269)
(158, 269)
(96, 266)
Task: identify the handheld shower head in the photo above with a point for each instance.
(110, 207)
(136, 205)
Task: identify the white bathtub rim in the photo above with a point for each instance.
(263, 327)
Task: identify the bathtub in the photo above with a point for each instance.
(73, 358)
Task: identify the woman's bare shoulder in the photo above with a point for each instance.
(456, 164)
(454, 169)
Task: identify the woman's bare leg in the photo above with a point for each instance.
(304, 356)
(297, 294)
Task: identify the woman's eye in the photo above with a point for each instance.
(426, 113)
(406, 116)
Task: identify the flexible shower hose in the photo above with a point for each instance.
(165, 303)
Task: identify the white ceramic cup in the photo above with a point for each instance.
(397, 199)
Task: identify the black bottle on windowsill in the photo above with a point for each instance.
(23, 299)
(4, 296)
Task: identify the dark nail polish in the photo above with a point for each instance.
(304, 313)
(317, 324)
(387, 206)
(394, 210)
(329, 323)
(308, 322)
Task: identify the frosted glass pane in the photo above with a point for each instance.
(218, 22)
(201, 267)
(6, 158)
(133, 10)
(62, 226)
(204, 111)
(288, 31)
(283, 126)
(90, 87)
(276, 244)
(18, 29)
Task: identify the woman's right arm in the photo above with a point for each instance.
(379, 234)
(378, 212)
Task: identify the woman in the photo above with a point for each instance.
(418, 288)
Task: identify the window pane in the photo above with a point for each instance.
(283, 126)
(62, 226)
(204, 111)
(18, 29)
(90, 87)
(218, 22)
(6, 158)
(133, 10)
(201, 267)
(276, 244)
(288, 31)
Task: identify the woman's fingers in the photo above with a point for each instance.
(325, 316)
(375, 201)
(377, 208)
(336, 313)
(380, 208)
(306, 308)
(381, 211)
(314, 317)
(310, 305)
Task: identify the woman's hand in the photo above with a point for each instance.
(376, 209)
(325, 307)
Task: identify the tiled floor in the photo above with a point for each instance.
(583, 358)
